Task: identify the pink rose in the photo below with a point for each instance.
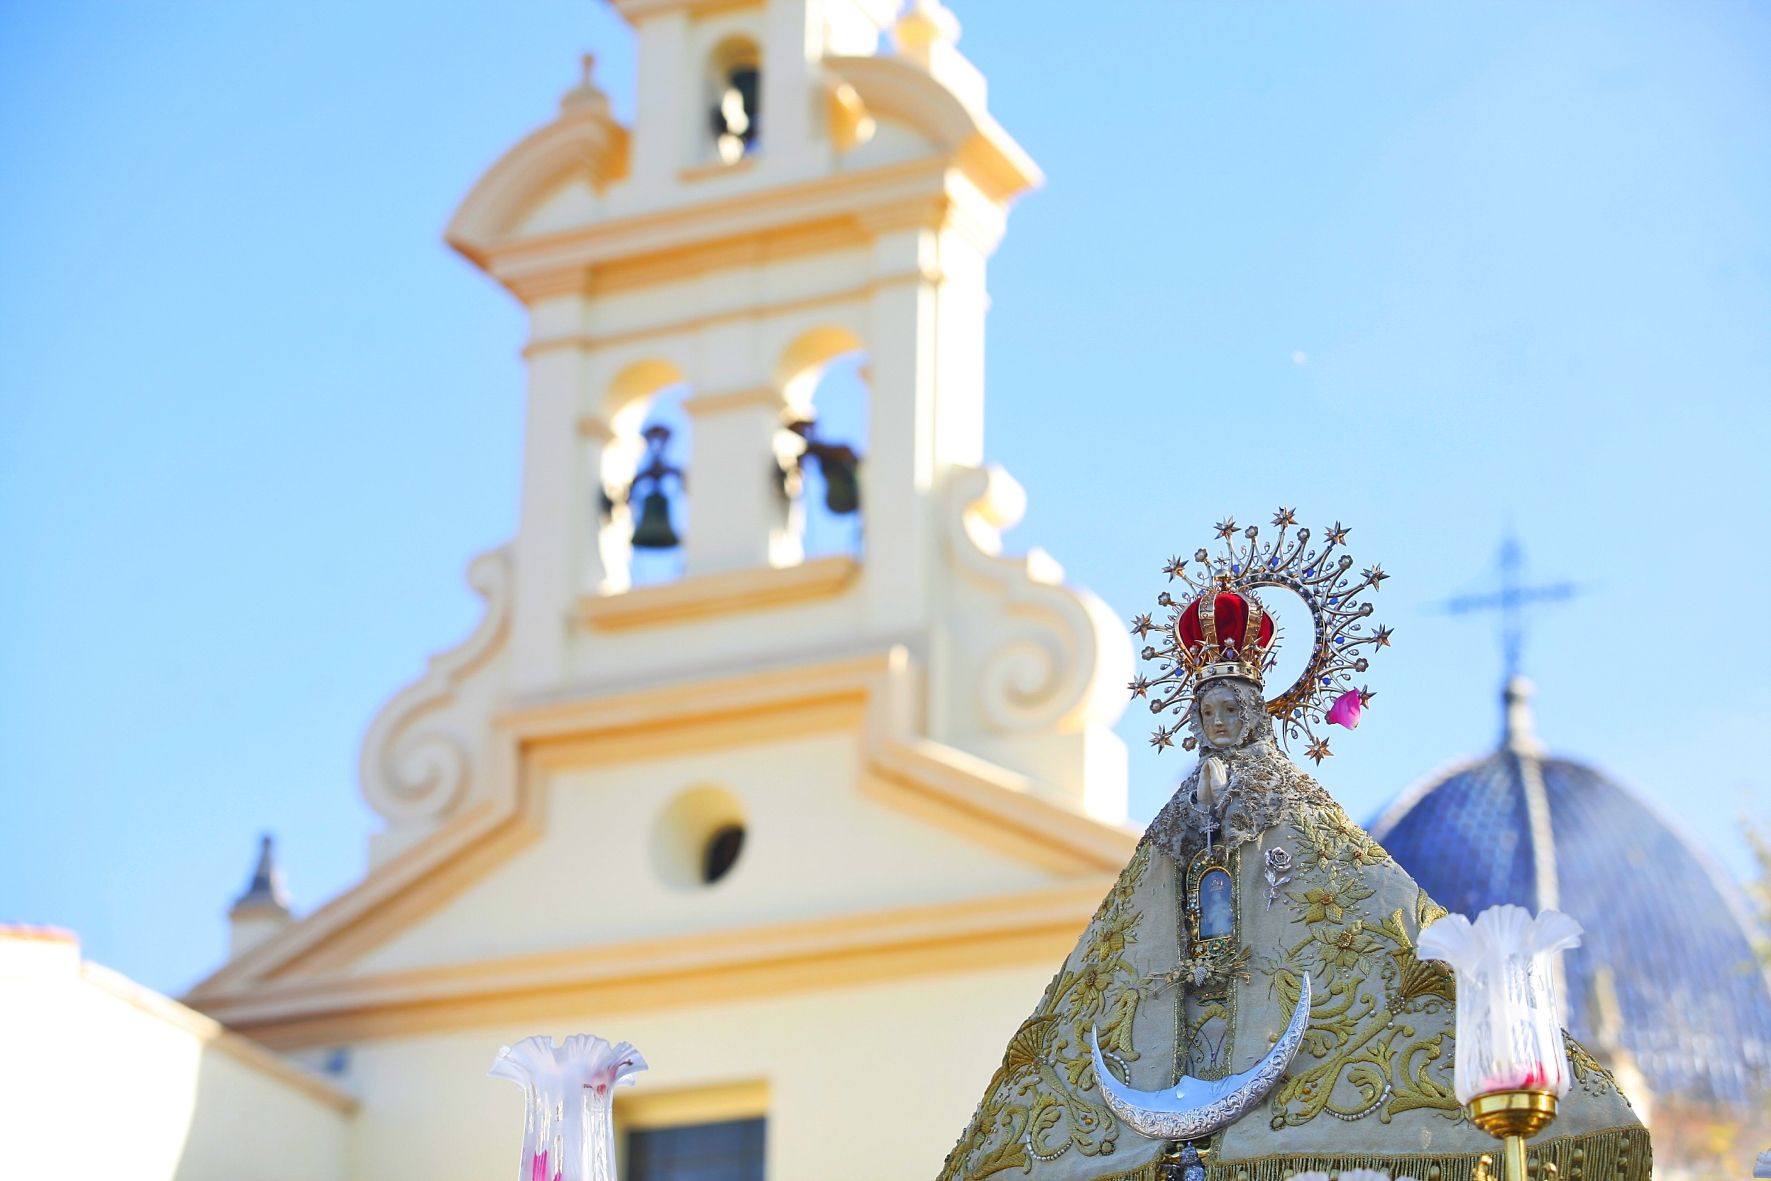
(1346, 709)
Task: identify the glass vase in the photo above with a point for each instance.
(1509, 1013)
(569, 1099)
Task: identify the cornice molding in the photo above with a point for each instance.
(724, 594)
(760, 397)
(534, 288)
(692, 324)
(635, 11)
(713, 223)
(712, 967)
(709, 169)
(830, 235)
(665, 245)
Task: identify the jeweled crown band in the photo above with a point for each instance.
(1226, 668)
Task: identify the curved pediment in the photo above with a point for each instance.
(897, 89)
(574, 156)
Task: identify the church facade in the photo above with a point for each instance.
(808, 830)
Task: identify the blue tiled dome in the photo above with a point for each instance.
(1693, 1004)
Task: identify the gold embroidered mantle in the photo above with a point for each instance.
(1371, 1084)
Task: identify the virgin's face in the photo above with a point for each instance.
(1220, 719)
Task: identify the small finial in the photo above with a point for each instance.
(265, 891)
(925, 24)
(586, 91)
(1519, 733)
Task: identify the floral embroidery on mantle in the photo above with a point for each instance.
(1042, 1101)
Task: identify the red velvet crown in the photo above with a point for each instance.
(1225, 635)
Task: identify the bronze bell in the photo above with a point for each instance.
(842, 484)
(654, 530)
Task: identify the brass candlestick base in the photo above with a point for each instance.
(1513, 1117)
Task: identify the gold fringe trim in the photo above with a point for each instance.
(1150, 1172)
(1616, 1154)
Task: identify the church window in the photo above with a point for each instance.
(729, 1150)
(721, 853)
(735, 112)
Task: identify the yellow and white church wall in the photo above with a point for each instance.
(103, 1078)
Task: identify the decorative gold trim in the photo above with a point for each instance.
(1513, 1113)
(1612, 1154)
(1192, 904)
(1038, 1106)
(722, 594)
(1251, 629)
(1512, 1117)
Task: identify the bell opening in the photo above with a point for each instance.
(832, 467)
(657, 499)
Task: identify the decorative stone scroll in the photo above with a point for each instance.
(1057, 659)
(418, 757)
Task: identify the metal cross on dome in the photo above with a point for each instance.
(1511, 600)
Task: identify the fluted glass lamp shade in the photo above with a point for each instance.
(1509, 1010)
(568, 1114)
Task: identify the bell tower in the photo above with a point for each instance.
(735, 804)
(805, 180)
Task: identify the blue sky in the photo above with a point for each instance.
(1434, 270)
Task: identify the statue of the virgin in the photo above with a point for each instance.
(1247, 1003)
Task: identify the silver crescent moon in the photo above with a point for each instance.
(1197, 1107)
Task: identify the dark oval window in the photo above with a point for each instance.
(721, 853)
